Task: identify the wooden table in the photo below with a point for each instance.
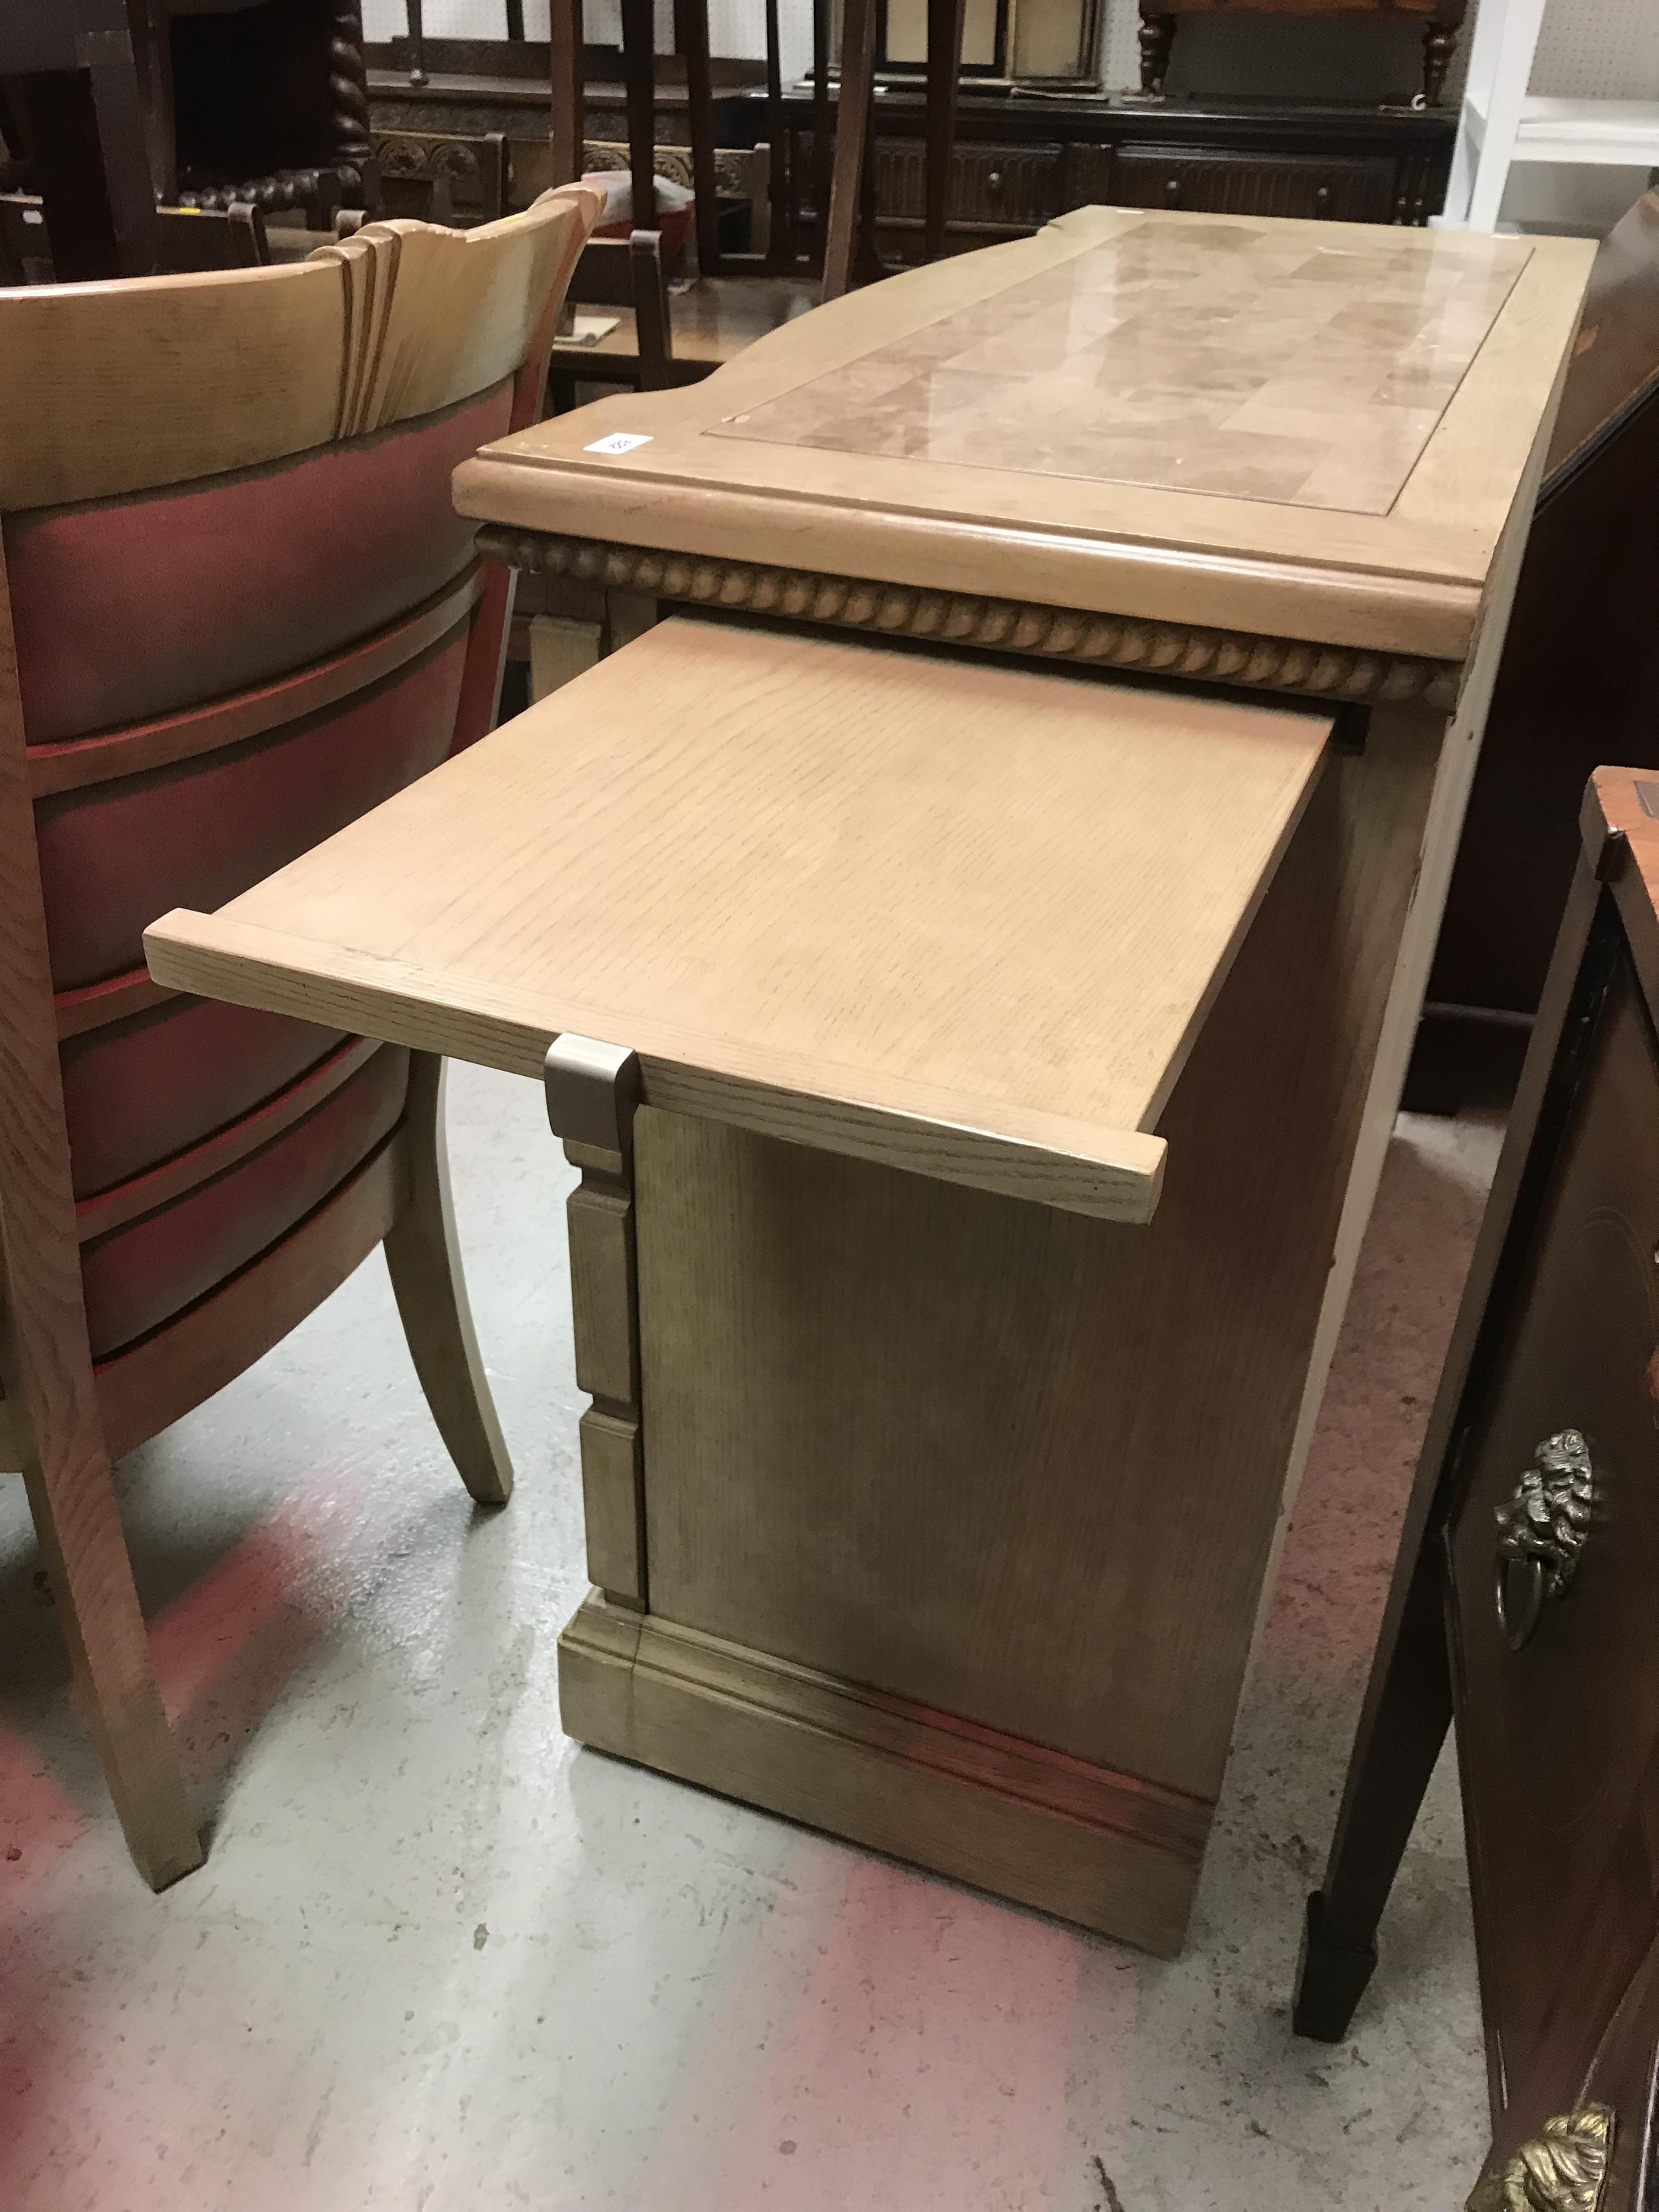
(980, 1069)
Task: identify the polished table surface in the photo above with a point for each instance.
(1312, 431)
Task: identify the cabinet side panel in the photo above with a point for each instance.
(1016, 1465)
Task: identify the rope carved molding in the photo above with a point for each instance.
(1276, 664)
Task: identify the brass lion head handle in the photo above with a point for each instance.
(1563, 2170)
(1541, 1529)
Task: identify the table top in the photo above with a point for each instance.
(962, 917)
(1313, 430)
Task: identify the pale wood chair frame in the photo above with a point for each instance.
(407, 320)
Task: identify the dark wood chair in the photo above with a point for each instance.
(237, 609)
(740, 295)
(73, 86)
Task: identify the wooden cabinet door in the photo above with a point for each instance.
(1554, 1601)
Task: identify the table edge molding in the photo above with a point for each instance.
(1344, 674)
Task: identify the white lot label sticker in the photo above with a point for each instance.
(618, 441)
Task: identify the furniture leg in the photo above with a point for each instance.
(629, 615)
(781, 195)
(108, 60)
(945, 21)
(62, 134)
(691, 37)
(46, 1358)
(418, 49)
(561, 647)
(1406, 1713)
(593, 1091)
(1156, 40)
(567, 125)
(655, 337)
(823, 132)
(424, 1262)
(639, 95)
(78, 1523)
(1439, 48)
(858, 81)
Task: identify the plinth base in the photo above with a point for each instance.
(1103, 1850)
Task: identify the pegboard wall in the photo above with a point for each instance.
(1599, 50)
(1588, 49)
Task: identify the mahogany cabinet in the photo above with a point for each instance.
(1522, 1604)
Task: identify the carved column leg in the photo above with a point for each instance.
(1157, 30)
(1440, 47)
(416, 43)
(592, 1091)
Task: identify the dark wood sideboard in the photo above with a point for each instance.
(1021, 158)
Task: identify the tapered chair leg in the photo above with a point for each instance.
(425, 1265)
(1403, 1723)
(78, 1523)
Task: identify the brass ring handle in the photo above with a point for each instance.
(1542, 1526)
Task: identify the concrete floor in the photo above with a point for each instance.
(441, 1960)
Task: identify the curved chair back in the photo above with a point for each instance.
(239, 610)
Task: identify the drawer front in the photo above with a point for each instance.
(1357, 188)
(992, 187)
(1559, 1690)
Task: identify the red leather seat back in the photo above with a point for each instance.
(129, 609)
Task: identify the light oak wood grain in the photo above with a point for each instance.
(422, 1257)
(274, 361)
(1100, 1849)
(45, 1361)
(1410, 581)
(1460, 738)
(110, 389)
(1025, 1468)
(962, 917)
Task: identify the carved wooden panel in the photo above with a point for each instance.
(1354, 189)
(439, 178)
(1018, 187)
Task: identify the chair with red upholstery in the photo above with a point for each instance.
(236, 610)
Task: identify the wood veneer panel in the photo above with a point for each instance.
(1022, 1466)
(1408, 580)
(969, 916)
